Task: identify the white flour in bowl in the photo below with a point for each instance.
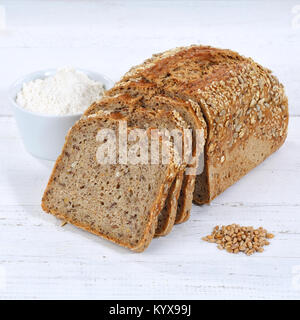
(67, 92)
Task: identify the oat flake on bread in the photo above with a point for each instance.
(67, 92)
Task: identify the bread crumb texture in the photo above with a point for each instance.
(118, 202)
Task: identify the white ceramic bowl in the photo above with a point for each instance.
(44, 135)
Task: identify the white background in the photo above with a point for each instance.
(40, 259)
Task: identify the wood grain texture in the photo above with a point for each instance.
(41, 259)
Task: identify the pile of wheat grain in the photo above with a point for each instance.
(235, 238)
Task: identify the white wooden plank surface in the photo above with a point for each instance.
(40, 259)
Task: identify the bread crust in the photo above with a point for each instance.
(154, 211)
(243, 103)
(169, 217)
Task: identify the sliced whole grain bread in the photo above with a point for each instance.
(147, 96)
(143, 117)
(119, 202)
(236, 106)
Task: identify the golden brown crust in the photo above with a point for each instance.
(240, 100)
(154, 211)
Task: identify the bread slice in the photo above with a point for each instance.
(167, 217)
(119, 202)
(244, 105)
(148, 94)
(141, 115)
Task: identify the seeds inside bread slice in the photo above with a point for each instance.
(192, 115)
(142, 117)
(119, 202)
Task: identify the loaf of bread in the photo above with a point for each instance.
(118, 202)
(234, 106)
(243, 104)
